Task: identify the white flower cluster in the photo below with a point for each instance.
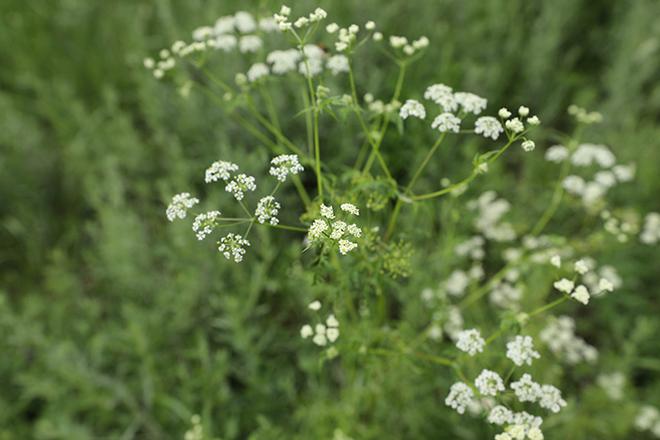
(204, 224)
(613, 384)
(446, 122)
(329, 229)
(267, 210)
(179, 206)
(506, 295)
(412, 108)
(648, 419)
(516, 126)
(408, 48)
(459, 397)
(285, 24)
(227, 33)
(470, 341)
(284, 165)
(521, 350)
(488, 220)
(345, 36)
(232, 246)
(591, 155)
(220, 170)
(547, 396)
(651, 230)
(583, 116)
(196, 431)
(456, 283)
(321, 334)
(239, 185)
(597, 285)
(488, 127)
(559, 335)
(489, 383)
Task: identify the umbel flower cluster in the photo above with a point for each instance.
(349, 213)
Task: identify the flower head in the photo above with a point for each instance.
(283, 165)
(459, 397)
(220, 170)
(489, 383)
(412, 108)
(232, 246)
(204, 224)
(178, 207)
(446, 122)
(470, 341)
(521, 350)
(267, 210)
(488, 127)
(239, 185)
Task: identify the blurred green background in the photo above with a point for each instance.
(116, 324)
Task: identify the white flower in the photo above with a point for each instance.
(556, 154)
(268, 24)
(204, 224)
(220, 170)
(588, 154)
(232, 246)
(378, 36)
(224, 24)
(226, 42)
(315, 305)
(534, 120)
(318, 15)
(283, 61)
(528, 145)
(521, 350)
(550, 398)
(283, 165)
(412, 108)
(523, 111)
(257, 71)
(488, 127)
(489, 383)
(338, 64)
(470, 341)
(332, 334)
(564, 285)
(555, 260)
(503, 436)
(249, 43)
(306, 331)
(317, 229)
(397, 42)
(651, 230)
(446, 122)
(350, 208)
(500, 415)
(504, 113)
(574, 184)
(301, 22)
(581, 266)
(244, 22)
(338, 230)
(441, 95)
(370, 25)
(526, 389)
(535, 433)
(179, 206)
(320, 339)
(605, 285)
(332, 28)
(327, 212)
(267, 210)
(470, 102)
(457, 282)
(459, 397)
(421, 43)
(239, 185)
(514, 125)
(581, 294)
(345, 246)
(331, 321)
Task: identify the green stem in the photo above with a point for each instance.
(548, 306)
(287, 227)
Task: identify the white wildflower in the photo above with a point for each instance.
(534, 120)
(345, 246)
(327, 212)
(239, 185)
(338, 64)
(489, 383)
(249, 43)
(204, 224)
(488, 127)
(306, 331)
(459, 397)
(244, 22)
(232, 246)
(528, 145)
(574, 184)
(179, 206)
(412, 108)
(257, 71)
(350, 208)
(500, 415)
(470, 103)
(564, 285)
(550, 398)
(470, 341)
(555, 260)
(521, 350)
(446, 122)
(526, 389)
(504, 113)
(556, 154)
(581, 266)
(605, 285)
(315, 305)
(226, 43)
(581, 294)
(523, 111)
(441, 95)
(317, 229)
(514, 125)
(285, 165)
(283, 61)
(267, 210)
(220, 170)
